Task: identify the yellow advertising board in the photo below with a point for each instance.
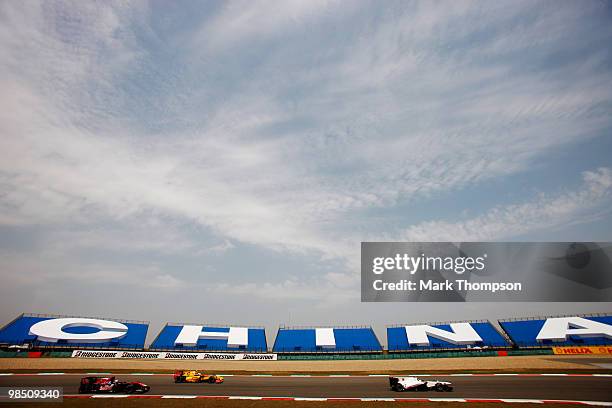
(583, 350)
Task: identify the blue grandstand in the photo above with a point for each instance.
(526, 333)
(189, 337)
(313, 340)
(459, 335)
(17, 332)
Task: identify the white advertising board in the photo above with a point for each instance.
(171, 355)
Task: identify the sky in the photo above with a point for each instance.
(221, 162)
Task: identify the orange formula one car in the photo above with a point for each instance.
(193, 376)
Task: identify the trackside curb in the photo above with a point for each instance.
(258, 398)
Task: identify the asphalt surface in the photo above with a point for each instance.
(536, 387)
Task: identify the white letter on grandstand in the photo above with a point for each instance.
(238, 336)
(325, 338)
(462, 333)
(52, 330)
(189, 336)
(559, 328)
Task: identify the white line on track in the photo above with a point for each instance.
(378, 399)
(310, 399)
(244, 398)
(529, 401)
(448, 399)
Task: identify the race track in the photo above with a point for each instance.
(573, 387)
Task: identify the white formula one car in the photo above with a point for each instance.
(416, 384)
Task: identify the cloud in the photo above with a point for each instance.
(546, 212)
(326, 291)
(44, 271)
(240, 21)
(292, 124)
(222, 247)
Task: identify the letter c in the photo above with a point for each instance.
(52, 330)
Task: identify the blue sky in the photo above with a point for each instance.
(222, 161)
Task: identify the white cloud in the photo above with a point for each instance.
(222, 247)
(304, 138)
(52, 270)
(548, 211)
(257, 20)
(141, 235)
(326, 291)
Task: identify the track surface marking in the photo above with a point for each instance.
(587, 388)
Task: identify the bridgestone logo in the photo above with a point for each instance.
(140, 355)
(181, 356)
(219, 356)
(94, 354)
(258, 357)
(149, 355)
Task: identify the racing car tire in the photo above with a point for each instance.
(211, 380)
(180, 379)
(440, 387)
(399, 387)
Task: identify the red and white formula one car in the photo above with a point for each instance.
(416, 384)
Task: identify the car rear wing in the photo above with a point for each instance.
(393, 381)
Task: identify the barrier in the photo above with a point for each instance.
(331, 356)
(57, 354)
(582, 350)
(148, 355)
(415, 355)
(13, 354)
